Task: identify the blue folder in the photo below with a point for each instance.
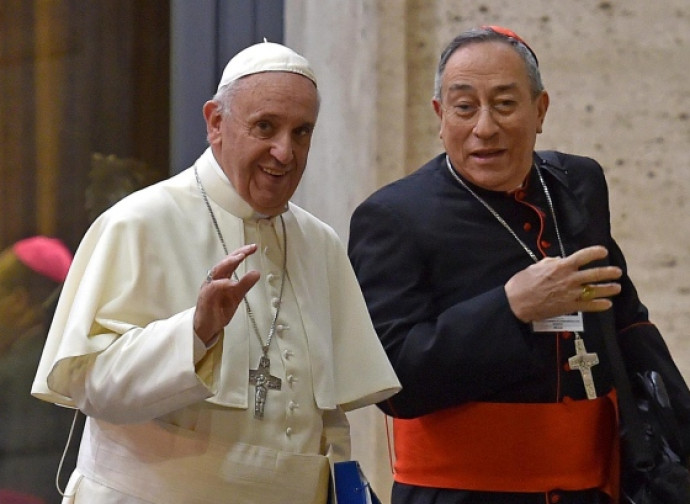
(351, 486)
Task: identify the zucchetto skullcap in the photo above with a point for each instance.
(46, 256)
(265, 57)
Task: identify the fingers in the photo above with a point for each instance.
(591, 292)
(595, 275)
(221, 293)
(595, 305)
(246, 282)
(593, 286)
(595, 298)
(557, 286)
(222, 281)
(228, 265)
(586, 255)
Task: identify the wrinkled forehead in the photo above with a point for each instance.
(490, 53)
(485, 63)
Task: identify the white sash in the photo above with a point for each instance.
(161, 463)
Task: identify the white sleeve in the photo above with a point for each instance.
(335, 438)
(145, 373)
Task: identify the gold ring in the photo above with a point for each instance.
(587, 293)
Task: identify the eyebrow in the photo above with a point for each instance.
(467, 87)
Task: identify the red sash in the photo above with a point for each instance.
(512, 447)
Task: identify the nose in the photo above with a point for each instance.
(282, 148)
(486, 126)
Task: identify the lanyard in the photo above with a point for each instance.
(503, 222)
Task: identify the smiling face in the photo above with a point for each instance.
(489, 117)
(263, 140)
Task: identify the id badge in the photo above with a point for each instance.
(572, 322)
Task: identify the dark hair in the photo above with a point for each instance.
(491, 34)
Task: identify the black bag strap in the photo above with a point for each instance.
(634, 442)
(638, 451)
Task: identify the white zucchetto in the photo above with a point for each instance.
(265, 57)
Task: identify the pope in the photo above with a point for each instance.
(212, 331)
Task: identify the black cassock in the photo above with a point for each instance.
(432, 262)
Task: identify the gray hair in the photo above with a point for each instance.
(223, 97)
(487, 34)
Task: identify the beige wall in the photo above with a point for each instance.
(618, 73)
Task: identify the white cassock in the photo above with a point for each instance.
(169, 422)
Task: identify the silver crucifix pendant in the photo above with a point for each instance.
(584, 362)
(262, 380)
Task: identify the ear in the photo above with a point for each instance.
(213, 119)
(439, 112)
(437, 107)
(542, 107)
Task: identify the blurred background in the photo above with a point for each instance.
(100, 98)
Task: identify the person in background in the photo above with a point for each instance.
(111, 178)
(493, 282)
(213, 332)
(32, 434)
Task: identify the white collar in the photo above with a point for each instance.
(220, 189)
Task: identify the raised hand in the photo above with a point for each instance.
(558, 285)
(221, 294)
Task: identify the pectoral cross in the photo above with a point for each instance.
(262, 380)
(583, 362)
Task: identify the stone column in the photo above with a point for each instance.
(358, 51)
(617, 73)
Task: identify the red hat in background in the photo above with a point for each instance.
(46, 256)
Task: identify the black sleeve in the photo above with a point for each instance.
(443, 357)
